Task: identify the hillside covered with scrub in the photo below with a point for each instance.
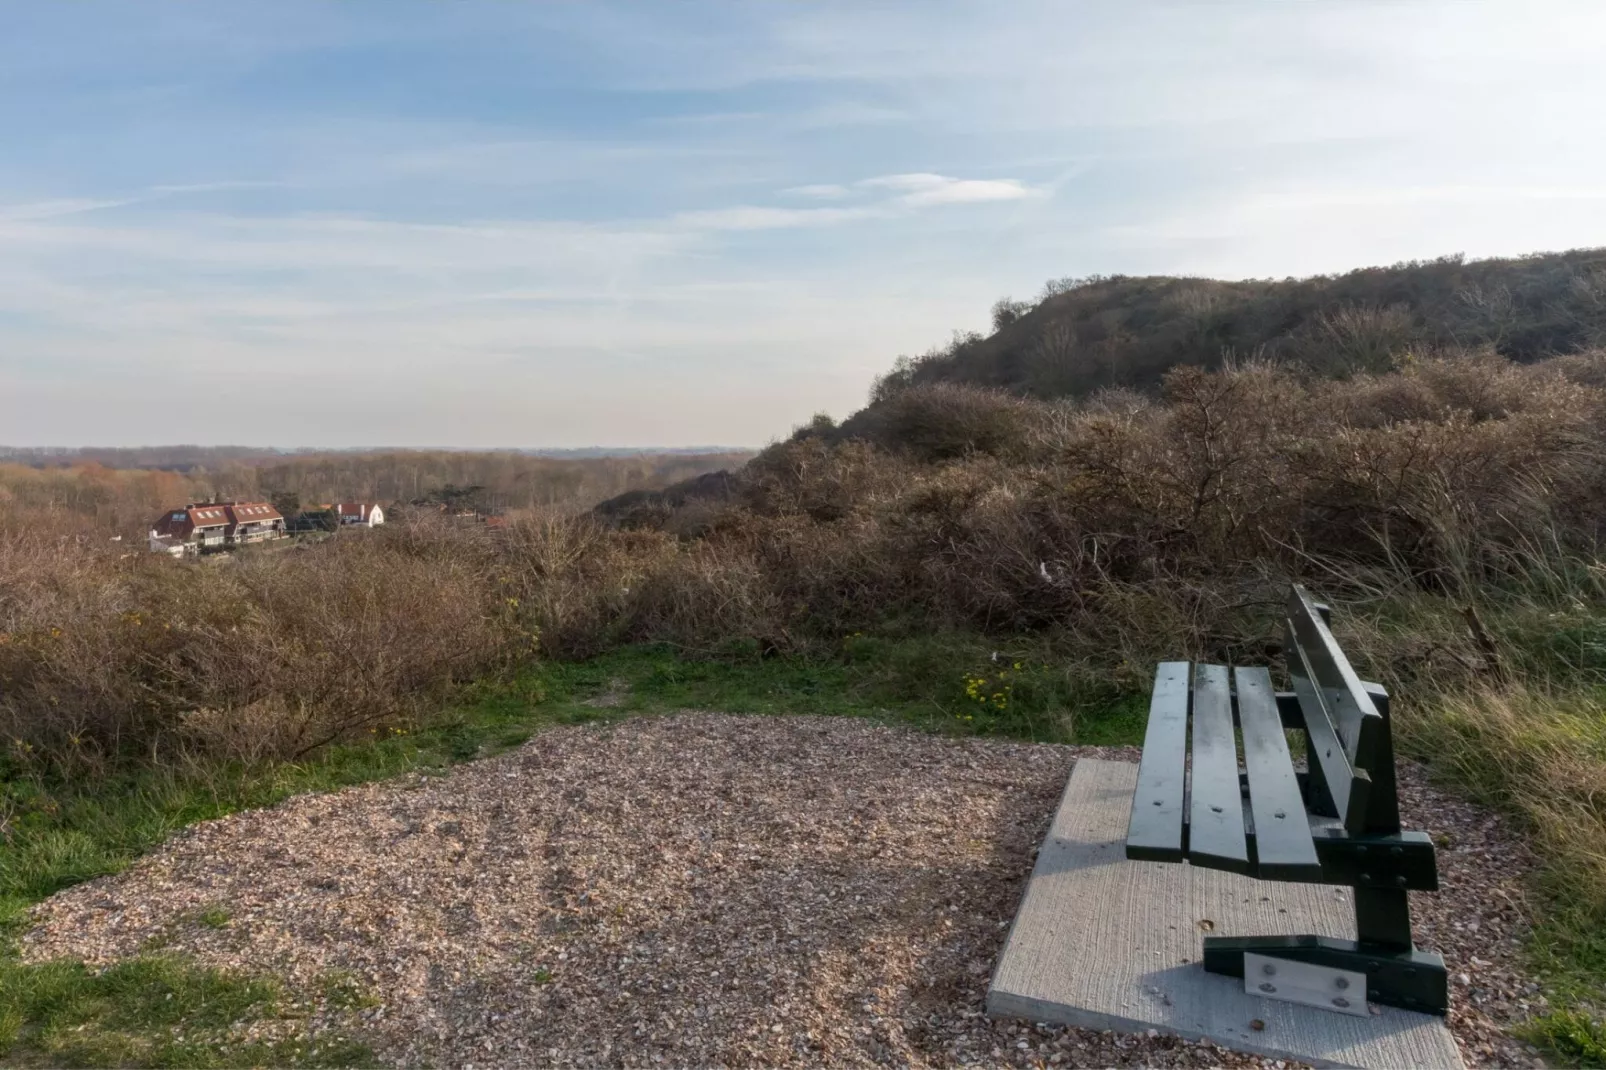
(1128, 470)
(1083, 334)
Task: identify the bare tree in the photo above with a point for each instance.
(1051, 363)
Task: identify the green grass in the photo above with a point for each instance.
(214, 918)
(152, 1011)
(164, 1011)
(1577, 1038)
(921, 682)
(1534, 747)
(57, 836)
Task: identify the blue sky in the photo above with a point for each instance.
(502, 224)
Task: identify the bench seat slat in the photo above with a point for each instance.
(1155, 832)
(1216, 813)
(1284, 849)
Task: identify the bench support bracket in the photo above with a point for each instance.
(1211, 813)
(1399, 977)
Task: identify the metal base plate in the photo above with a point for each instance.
(1398, 977)
(1300, 982)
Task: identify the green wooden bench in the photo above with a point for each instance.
(1338, 823)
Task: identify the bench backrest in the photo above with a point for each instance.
(1348, 734)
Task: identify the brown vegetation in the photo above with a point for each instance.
(1131, 528)
(1084, 334)
(106, 657)
(1443, 488)
(1400, 441)
(121, 501)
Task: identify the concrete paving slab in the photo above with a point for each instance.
(1110, 944)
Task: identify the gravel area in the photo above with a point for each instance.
(1477, 920)
(700, 890)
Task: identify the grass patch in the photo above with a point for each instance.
(1574, 1036)
(158, 1010)
(1538, 753)
(152, 1011)
(1533, 745)
(341, 991)
(956, 684)
(214, 918)
(58, 835)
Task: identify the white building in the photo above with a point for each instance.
(369, 515)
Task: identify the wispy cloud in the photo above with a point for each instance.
(56, 209)
(919, 190)
(618, 221)
(884, 196)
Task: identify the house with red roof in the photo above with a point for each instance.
(204, 526)
(253, 522)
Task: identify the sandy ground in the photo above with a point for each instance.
(701, 890)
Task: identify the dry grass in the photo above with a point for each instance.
(1539, 753)
(1130, 530)
(106, 657)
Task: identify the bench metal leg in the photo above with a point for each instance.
(1397, 974)
(1399, 977)
(1383, 917)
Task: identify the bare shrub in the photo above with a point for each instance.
(941, 421)
(1006, 311)
(1127, 526)
(825, 482)
(1587, 368)
(1490, 309)
(102, 656)
(1054, 364)
(706, 594)
(570, 580)
(1118, 400)
(1357, 338)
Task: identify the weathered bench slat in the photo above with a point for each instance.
(1216, 814)
(1284, 849)
(1350, 787)
(1336, 822)
(1155, 831)
(1356, 719)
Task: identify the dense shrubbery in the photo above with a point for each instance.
(1130, 528)
(106, 657)
(987, 511)
(1083, 334)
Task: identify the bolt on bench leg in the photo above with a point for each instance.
(1399, 977)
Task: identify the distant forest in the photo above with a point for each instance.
(122, 499)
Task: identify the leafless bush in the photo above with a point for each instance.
(1129, 526)
(1053, 363)
(1357, 338)
(940, 421)
(103, 656)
